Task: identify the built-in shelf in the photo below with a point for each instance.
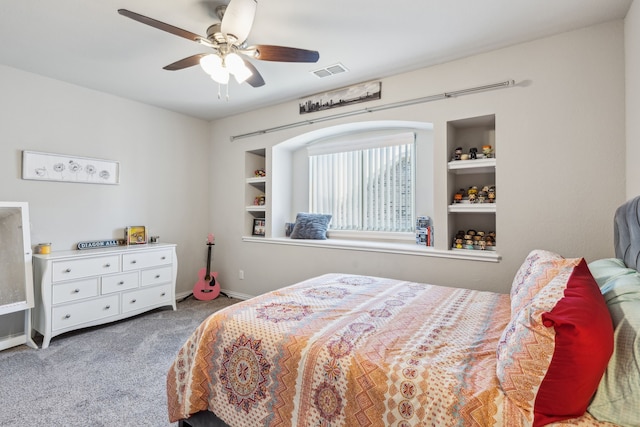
(257, 181)
(469, 135)
(473, 207)
(255, 189)
(472, 166)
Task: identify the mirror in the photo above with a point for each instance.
(16, 277)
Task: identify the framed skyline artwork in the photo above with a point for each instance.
(341, 97)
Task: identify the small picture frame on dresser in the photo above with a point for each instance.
(135, 235)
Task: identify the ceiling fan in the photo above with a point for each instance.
(228, 38)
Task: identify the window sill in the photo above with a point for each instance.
(376, 246)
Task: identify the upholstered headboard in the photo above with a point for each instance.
(627, 233)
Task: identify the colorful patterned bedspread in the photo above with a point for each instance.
(345, 350)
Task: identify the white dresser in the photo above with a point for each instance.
(77, 289)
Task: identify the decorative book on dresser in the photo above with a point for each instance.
(78, 289)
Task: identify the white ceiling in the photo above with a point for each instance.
(87, 43)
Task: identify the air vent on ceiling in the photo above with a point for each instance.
(330, 70)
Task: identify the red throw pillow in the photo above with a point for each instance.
(555, 350)
(584, 344)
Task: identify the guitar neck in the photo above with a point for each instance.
(208, 271)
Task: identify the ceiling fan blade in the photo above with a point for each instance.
(255, 79)
(282, 54)
(186, 62)
(238, 19)
(161, 25)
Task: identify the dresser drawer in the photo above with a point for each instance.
(138, 260)
(75, 269)
(119, 282)
(156, 276)
(72, 291)
(70, 315)
(142, 298)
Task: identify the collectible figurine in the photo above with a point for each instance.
(490, 238)
(457, 198)
(487, 151)
(458, 244)
(473, 153)
(491, 194)
(472, 192)
(457, 154)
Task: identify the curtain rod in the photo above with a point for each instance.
(444, 95)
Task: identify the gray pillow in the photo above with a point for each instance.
(311, 226)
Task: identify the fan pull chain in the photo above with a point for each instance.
(220, 92)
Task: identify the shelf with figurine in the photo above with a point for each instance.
(259, 179)
(259, 204)
(474, 240)
(474, 200)
(474, 161)
(475, 208)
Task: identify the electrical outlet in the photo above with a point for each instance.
(241, 274)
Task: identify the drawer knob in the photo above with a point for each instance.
(107, 307)
(68, 270)
(133, 301)
(163, 294)
(133, 261)
(163, 258)
(107, 265)
(157, 276)
(121, 282)
(67, 316)
(76, 291)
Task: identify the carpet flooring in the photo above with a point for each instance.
(105, 376)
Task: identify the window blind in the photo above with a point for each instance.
(367, 185)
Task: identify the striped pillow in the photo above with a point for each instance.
(537, 270)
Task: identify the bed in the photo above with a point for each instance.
(562, 348)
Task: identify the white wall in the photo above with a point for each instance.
(164, 179)
(632, 56)
(561, 168)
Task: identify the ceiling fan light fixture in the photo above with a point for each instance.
(211, 63)
(242, 74)
(236, 66)
(233, 62)
(221, 76)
